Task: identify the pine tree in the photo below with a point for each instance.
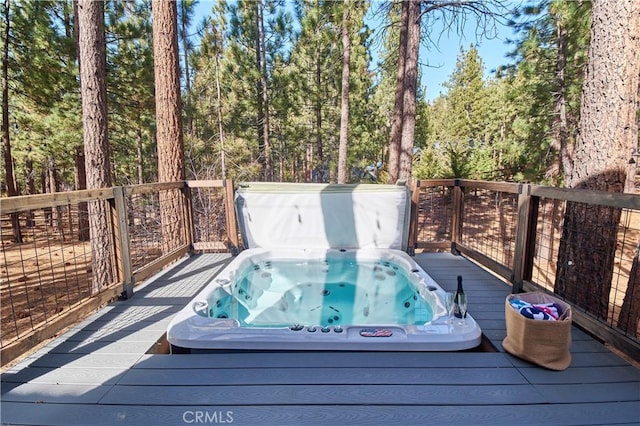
(258, 32)
(185, 17)
(344, 98)
(132, 105)
(550, 61)
(168, 119)
(608, 134)
(414, 15)
(463, 125)
(12, 189)
(316, 59)
(94, 123)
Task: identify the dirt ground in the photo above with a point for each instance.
(41, 278)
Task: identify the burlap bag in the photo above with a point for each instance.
(545, 343)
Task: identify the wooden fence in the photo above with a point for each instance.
(49, 278)
(515, 231)
(512, 229)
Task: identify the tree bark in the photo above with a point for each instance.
(30, 185)
(344, 105)
(263, 97)
(629, 319)
(607, 135)
(80, 174)
(168, 119)
(92, 59)
(395, 137)
(318, 108)
(139, 157)
(12, 189)
(223, 156)
(187, 76)
(308, 163)
(560, 161)
(410, 92)
(80, 170)
(53, 184)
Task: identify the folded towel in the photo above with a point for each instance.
(539, 311)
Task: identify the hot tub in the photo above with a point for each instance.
(325, 269)
(359, 299)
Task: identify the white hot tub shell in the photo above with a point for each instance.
(313, 222)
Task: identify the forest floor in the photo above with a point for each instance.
(41, 278)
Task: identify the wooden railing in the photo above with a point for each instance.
(512, 229)
(49, 278)
(515, 230)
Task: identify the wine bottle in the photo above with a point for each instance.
(459, 291)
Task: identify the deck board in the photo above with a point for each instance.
(74, 376)
(329, 395)
(80, 360)
(319, 375)
(584, 375)
(326, 359)
(66, 393)
(318, 414)
(99, 372)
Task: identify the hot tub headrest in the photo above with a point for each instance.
(289, 215)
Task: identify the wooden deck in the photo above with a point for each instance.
(99, 373)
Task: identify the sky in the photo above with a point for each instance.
(442, 62)
(437, 64)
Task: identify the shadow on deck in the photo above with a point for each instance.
(100, 373)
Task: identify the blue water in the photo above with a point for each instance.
(326, 293)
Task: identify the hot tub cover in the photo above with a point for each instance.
(290, 215)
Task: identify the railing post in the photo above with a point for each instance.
(189, 228)
(413, 217)
(525, 238)
(456, 219)
(230, 213)
(121, 241)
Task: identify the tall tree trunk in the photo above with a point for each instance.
(629, 319)
(12, 189)
(410, 92)
(560, 162)
(76, 32)
(395, 137)
(344, 105)
(139, 157)
(608, 133)
(223, 157)
(47, 211)
(30, 185)
(54, 186)
(80, 173)
(263, 98)
(282, 149)
(79, 157)
(187, 77)
(92, 54)
(168, 119)
(318, 108)
(548, 214)
(308, 163)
